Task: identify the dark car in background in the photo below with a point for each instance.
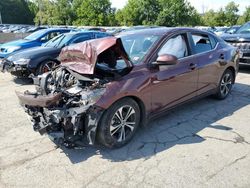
(241, 40)
(35, 39)
(232, 29)
(104, 89)
(42, 59)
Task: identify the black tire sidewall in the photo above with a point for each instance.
(219, 95)
(103, 133)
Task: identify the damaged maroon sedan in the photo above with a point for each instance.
(105, 89)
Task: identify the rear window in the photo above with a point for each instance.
(202, 43)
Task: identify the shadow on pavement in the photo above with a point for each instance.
(244, 69)
(23, 81)
(177, 127)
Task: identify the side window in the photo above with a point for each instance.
(50, 36)
(213, 41)
(100, 35)
(80, 39)
(53, 34)
(202, 43)
(175, 46)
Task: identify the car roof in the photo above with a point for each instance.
(56, 29)
(84, 32)
(161, 31)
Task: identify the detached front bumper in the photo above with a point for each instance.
(14, 69)
(67, 125)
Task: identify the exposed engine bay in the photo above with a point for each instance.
(63, 105)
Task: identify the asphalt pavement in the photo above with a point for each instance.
(202, 144)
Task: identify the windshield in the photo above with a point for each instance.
(36, 35)
(59, 41)
(137, 46)
(232, 29)
(244, 29)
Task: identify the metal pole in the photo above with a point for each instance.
(40, 12)
(1, 22)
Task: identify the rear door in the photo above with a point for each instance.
(174, 84)
(205, 49)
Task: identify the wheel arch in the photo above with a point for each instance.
(143, 120)
(46, 59)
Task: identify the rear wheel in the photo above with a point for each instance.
(119, 123)
(226, 84)
(46, 66)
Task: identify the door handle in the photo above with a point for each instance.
(192, 66)
(222, 60)
(222, 56)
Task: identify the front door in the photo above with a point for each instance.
(173, 84)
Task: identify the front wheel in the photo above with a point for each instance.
(119, 123)
(46, 66)
(226, 84)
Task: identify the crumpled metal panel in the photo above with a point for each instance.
(82, 57)
(40, 101)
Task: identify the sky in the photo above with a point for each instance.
(200, 5)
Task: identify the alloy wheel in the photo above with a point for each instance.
(48, 66)
(226, 84)
(123, 123)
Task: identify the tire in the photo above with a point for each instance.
(46, 66)
(114, 130)
(225, 85)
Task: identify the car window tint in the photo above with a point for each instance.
(202, 43)
(175, 46)
(137, 46)
(213, 41)
(100, 35)
(81, 39)
(53, 34)
(50, 35)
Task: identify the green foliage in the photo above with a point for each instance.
(225, 16)
(245, 17)
(139, 12)
(100, 13)
(95, 13)
(159, 12)
(16, 12)
(231, 13)
(177, 13)
(56, 12)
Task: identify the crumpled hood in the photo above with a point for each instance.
(82, 57)
(236, 37)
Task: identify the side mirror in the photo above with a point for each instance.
(43, 40)
(166, 59)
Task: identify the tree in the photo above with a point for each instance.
(225, 16)
(56, 12)
(245, 17)
(94, 12)
(160, 12)
(129, 15)
(176, 13)
(16, 12)
(231, 14)
(209, 18)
